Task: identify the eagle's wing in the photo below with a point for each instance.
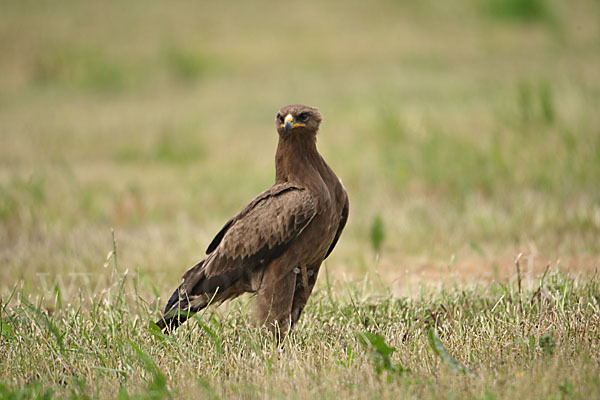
(258, 233)
(341, 225)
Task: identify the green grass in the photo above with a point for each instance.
(482, 341)
(521, 10)
(465, 132)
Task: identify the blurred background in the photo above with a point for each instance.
(465, 131)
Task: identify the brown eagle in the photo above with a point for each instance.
(274, 247)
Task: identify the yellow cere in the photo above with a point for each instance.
(289, 118)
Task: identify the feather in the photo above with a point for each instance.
(292, 226)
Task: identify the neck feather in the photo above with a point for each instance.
(296, 158)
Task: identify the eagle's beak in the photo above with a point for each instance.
(288, 123)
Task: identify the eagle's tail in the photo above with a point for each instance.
(173, 315)
(198, 291)
(180, 307)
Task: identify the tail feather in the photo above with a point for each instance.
(196, 292)
(170, 324)
(180, 308)
(172, 319)
(173, 300)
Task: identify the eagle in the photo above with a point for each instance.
(275, 245)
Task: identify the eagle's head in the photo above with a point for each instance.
(298, 119)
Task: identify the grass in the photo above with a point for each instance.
(482, 341)
(466, 133)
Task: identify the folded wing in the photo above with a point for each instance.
(247, 242)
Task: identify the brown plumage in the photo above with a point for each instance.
(276, 244)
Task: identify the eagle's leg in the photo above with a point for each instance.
(305, 282)
(274, 302)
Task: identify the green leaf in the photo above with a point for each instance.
(377, 342)
(6, 330)
(157, 332)
(158, 387)
(377, 233)
(214, 337)
(438, 348)
(380, 353)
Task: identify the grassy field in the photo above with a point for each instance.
(491, 342)
(465, 132)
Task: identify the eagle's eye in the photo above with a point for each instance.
(280, 117)
(303, 117)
